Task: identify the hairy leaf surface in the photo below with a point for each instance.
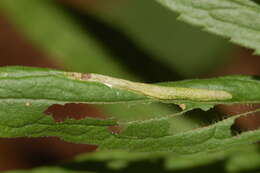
(27, 92)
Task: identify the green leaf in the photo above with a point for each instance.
(237, 20)
(27, 92)
(236, 159)
(214, 137)
(21, 82)
(77, 50)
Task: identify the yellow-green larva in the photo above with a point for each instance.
(156, 91)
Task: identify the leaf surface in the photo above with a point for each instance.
(27, 92)
(58, 86)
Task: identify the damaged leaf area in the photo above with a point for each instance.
(26, 93)
(217, 136)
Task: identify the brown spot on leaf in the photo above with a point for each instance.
(73, 111)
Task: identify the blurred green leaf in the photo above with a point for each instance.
(47, 170)
(237, 20)
(242, 159)
(190, 51)
(55, 31)
(236, 159)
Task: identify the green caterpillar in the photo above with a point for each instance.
(156, 91)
